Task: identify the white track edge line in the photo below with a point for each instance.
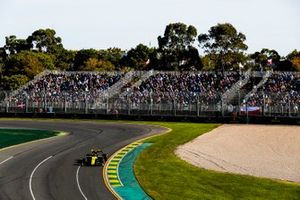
(6, 160)
(77, 179)
(32, 173)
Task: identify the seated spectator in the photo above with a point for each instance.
(67, 87)
(280, 89)
(184, 88)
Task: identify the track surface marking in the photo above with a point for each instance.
(56, 178)
(31, 176)
(77, 180)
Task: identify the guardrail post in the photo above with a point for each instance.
(289, 104)
(247, 116)
(264, 103)
(45, 101)
(85, 106)
(174, 107)
(6, 106)
(107, 105)
(222, 107)
(26, 104)
(65, 105)
(197, 107)
(128, 105)
(6, 101)
(151, 103)
(239, 100)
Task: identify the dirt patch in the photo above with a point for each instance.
(258, 150)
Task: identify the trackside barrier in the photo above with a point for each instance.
(234, 119)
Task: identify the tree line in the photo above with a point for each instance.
(223, 46)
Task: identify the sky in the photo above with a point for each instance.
(99, 24)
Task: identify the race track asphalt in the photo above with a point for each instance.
(22, 167)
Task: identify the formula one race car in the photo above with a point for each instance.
(95, 158)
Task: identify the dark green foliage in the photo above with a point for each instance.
(270, 59)
(225, 46)
(112, 55)
(175, 48)
(14, 45)
(111, 58)
(29, 63)
(94, 64)
(3, 56)
(44, 40)
(138, 57)
(261, 58)
(294, 59)
(295, 53)
(83, 56)
(64, 59)
(13, 82)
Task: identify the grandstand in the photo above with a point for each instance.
(280, 93)
(159, 93)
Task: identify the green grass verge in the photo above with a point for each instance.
(164, 176)
(9, 137)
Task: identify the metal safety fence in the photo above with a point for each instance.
(198, 105)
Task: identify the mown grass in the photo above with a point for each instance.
(164, 176)
(9, 137)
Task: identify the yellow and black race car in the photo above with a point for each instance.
(95, 158)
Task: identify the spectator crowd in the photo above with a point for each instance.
(184, 88)
(281, 89)
(68, 86)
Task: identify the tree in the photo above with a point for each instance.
(3, 57)
(294, 58)
(208, 62)
(138, 57)
(64, 59)
(113, 55)
(13, 82)
(83, 56)
(259, 59)
(14, 45)
(94, 64)
(45, 40)
(225, 45)
(266, 58)
(191, 60)
(293, 54)
(296, 63)
(28, 63)
(271, 55)
(176, 46)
